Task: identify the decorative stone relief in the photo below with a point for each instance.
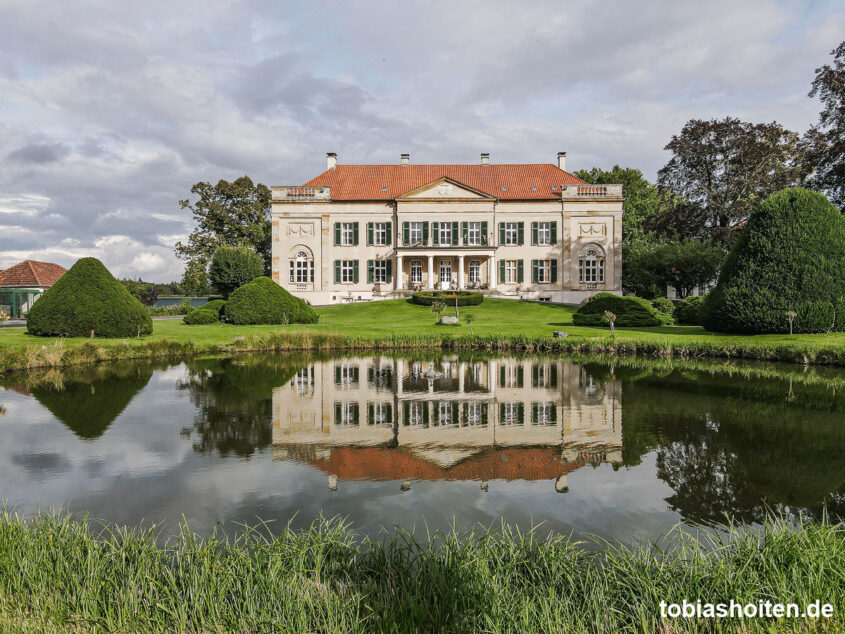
(300, 229)
(592, 229)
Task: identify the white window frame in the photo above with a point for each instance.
(473, 413)
(544, 413)
(347, 375)
(380, 234)
(445, 409)
(475, 271)
(445, 234)
(544, 233)
(415, 413)
(511, 234)
(347, 271)
(474, 234)
(302, 269)
(511, 271)
(511, 376)
(347, 234)
(544, 271)
(380, 271)
(511, 414)
(591, 267)
(416, 233)
(304, 380)
(380, 414)
(347, 413)
(542, 375)
(445, 265)
(416, 271)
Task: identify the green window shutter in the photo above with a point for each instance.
(369, 234)
(355, 374)
(520, 408)
(406, 233)
(535, 271)
(369, 271)
(454, 235)
(483, 233)
(554, 271)
(389, 265)
(501, 271)
(501, 411)
(337, 271)
(502, 376)
(435, 413)
(553, 376)
(435, 233)
(371, 417)
(389, 413)
(519, 376)
(520, 276)
(455, 406)
(355, 271)
(356, 413)
(388, 232)
(337, 374)
(425, 233)
(554, 233)
(355, 234)
(535, 375)
(535, 407)
(501, 234)
(337, 412)
(520, 233)
(337, 234)
(484, 413)
(553, 412)
(465, 232)
(534, 231)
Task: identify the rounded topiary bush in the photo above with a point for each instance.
(465, 298)
(789, 257)
(262, 301)
(664, 305)
(88, 299)
(629, 311)
(215, 305)
(201, 316)
(688, 310)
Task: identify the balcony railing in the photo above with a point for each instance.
(483, 241)
(591, 191)
(295, 193)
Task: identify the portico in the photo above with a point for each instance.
(445, 268)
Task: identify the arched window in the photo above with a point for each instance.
(591, 267)
(301, 268)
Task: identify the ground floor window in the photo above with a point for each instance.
(543, 413)
(445, 271)
(416, 414)
(475, 271)
(302, 269)
(544, 271)
(347, 271)
(445, 411)
(511, 271)
(544, 299)
(346, 413)
(380, 271)
(591, 267)
(416, 271)
(511, 413)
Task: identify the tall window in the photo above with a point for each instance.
(544, 233)
(544, 413)
(475, 271)
(416, 233)
(510, 414)
(445, 234)
(416, 271)
(591, 267)
(415, 413)
(380, 271)
(347, 234)
(544, 271)
(445, 408)
(380, 234)
(473, 413)
(445, 271)
(301, 269)
(347, 413)
(474, 233)
(511, 272)
(511, 234)
(303, 380)
(347, 271)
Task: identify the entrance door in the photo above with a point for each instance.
(445, 273)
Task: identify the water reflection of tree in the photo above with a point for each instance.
(234, 401)
(738, 446)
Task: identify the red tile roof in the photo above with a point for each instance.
(386, 182)
(31, 273)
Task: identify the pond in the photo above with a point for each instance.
(424, 442)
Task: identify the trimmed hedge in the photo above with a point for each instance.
(215, 305)
(629, 310)
(688, 310)
(262, 301)
(201, 316)
(88, 299)
(664, 305)
(789, 257)
(465, 298)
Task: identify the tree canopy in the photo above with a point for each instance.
(232, 267)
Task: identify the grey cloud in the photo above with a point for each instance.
(38, 153)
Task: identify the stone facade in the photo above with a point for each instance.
(359, 233)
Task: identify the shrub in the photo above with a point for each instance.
(201, 316)
(629, 311)
(262, 301)
(688, 310)
(88, 299)
(664, 305)
(232, 267)
(215, 305)
(789, 257)
(465, 298)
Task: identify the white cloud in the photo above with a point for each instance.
(24, 204)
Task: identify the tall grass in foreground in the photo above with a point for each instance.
(63, 574)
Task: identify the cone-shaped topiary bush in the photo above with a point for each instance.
(789, 257)
(629, 311)
(262, 301)
(88, 299)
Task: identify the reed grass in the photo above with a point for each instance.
(64, 574)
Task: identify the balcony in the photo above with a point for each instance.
(294, 193)
(582, 192)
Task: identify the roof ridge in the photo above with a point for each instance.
(34, 273)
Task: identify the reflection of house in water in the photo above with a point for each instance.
(394, 419)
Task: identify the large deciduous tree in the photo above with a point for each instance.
(233, 213)
(825, 141)
(232, 267)
(652, 264)
(720, 171)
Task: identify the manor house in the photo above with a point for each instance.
(523, 231)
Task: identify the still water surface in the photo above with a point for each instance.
(620, 452)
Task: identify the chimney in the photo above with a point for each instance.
(406, 158)
(485, 158)
(561, 160)
(331, 160)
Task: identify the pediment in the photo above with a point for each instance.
(445, 189)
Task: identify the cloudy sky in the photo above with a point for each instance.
(110, 111)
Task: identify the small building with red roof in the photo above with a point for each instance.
(22, 283)
(522, 231)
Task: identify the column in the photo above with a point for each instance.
(431, 271)
(462, 371)
(399, 272)
(491, 274)
(461, 272)
(400, 375)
